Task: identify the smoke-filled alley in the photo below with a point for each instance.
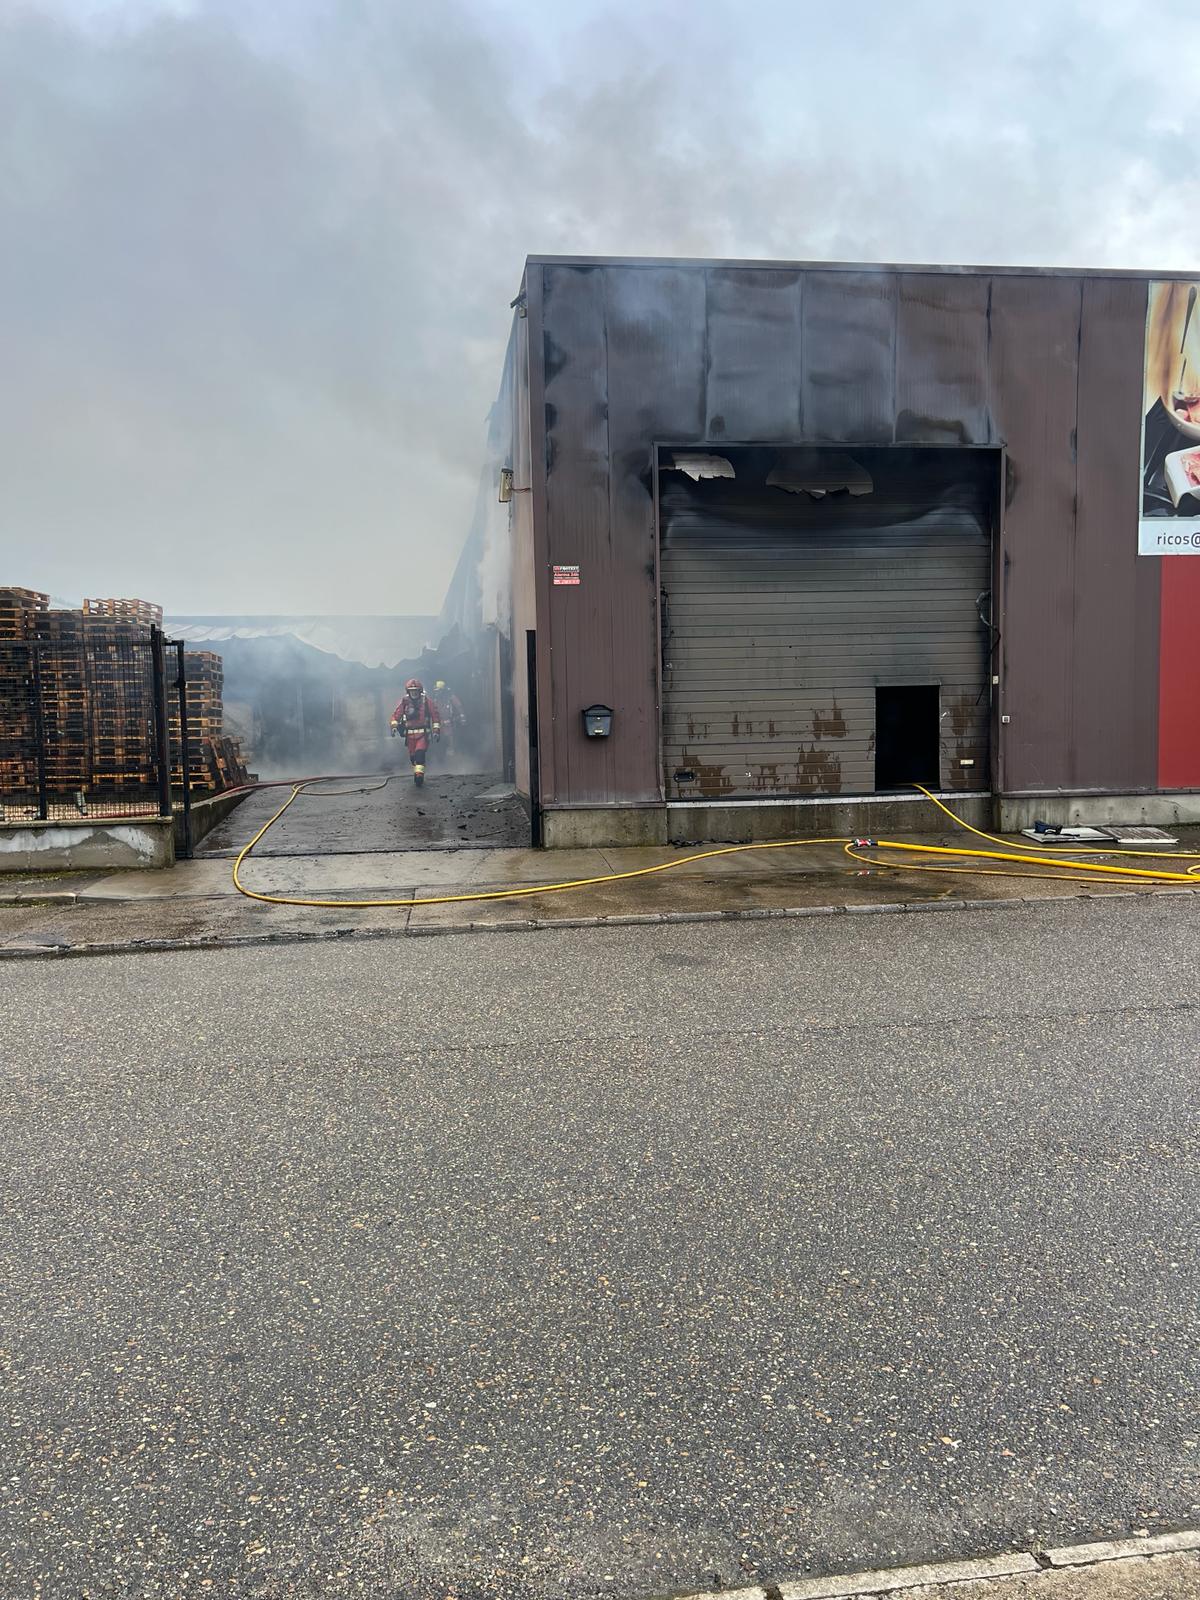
(376, 815)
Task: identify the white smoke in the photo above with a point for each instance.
(258, 258)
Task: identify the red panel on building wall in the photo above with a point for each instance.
(1179, 674)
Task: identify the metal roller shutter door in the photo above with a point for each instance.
(782, 615)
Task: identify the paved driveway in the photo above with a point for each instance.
(370, 815)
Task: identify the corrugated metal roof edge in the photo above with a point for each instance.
(1147, 273)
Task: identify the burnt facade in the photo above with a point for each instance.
(1014, 398)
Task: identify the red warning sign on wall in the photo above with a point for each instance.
(566, 575)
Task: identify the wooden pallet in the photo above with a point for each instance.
(96, 702)
(17, 606)
(144, 611)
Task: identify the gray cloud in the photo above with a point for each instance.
(257, 259)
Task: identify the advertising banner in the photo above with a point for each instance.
(1169, 523)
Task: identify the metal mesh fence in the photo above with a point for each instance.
(80, 714)
(214, 760)
(101, 716)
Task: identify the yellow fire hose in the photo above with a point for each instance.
(1024, 855)
(1067, 850)
(1013, 850)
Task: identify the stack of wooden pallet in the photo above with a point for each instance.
(18, 764)
(65, 699)
(94, 703)
(16, 606)
(143, 611)
(205, 674)
(120, 692)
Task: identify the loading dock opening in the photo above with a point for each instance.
(907, 736)
(823, 620)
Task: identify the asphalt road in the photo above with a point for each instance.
(601, 1262)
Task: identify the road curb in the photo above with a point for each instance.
(932, 1575)
(112, 947)
(1158, 1544)
(45, 897)
(24, 951)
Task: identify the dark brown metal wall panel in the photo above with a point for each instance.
(1115, 676)
(1033, 378)
(754, 355)
(942, 360)
(849, 343)
(577, 506)
(656, 357)
(523, 564)
(729, 353)
(656, 365)
(547, 748)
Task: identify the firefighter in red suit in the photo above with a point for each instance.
(453, 717)
(417, 718)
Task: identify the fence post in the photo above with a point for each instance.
(162, 732)
(39, 729)
(185, 763)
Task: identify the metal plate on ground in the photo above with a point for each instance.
(1072, 838)
(1128, 836)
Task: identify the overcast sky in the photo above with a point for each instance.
(256, 255)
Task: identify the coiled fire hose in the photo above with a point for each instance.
(1026, 856)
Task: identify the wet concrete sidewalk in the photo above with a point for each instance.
(379, 839)
(196, 902)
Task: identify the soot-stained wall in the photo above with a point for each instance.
(1048, 366)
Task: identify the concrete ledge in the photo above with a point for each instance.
(122, 842)
(205, 816)
(586, 827)
(1015, 812)
(872, 815)
(747, 821)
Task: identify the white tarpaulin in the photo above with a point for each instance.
(369, 641)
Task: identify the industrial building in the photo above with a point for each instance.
(790, 538)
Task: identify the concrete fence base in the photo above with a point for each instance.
(110, 842)
(81, 846)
